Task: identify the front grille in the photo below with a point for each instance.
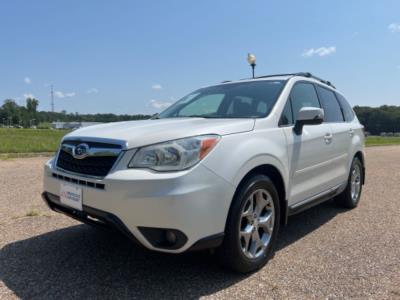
(100, 186)
(98, 166)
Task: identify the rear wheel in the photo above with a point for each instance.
(252, 225)
(350, 197)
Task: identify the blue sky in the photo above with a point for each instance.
(138, 56)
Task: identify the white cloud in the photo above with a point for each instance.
(61, 95)
(28, 95)
(159, 104)
(27, 80)
(156, 87)
(92, 91)
(322, 51)
(394, 27)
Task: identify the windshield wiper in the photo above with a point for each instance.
(201, 116)
(191, 116)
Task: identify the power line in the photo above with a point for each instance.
(52, 99)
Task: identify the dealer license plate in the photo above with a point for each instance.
(71, 195)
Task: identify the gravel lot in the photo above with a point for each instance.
(325, 252)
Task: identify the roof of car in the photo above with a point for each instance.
(286, 77)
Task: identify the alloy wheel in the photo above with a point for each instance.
(257, 223)
(355, 182)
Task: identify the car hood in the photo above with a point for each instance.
(140, 133)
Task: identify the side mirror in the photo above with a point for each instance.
(308, 116)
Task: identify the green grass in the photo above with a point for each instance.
(382, 141)
(14, 140)
(22, 141)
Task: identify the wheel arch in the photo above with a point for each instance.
(276, 177)
(360, 156)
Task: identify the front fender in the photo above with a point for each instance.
(260, 160)
(238, 154)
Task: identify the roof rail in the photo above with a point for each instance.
(277, 75)
(303, 74)
(309, 75)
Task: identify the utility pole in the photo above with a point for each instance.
(52, 98)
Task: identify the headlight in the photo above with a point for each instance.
(174, 155)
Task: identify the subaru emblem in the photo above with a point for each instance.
(81, 151)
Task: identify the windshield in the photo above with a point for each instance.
(237, 100)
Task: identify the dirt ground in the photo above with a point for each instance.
(325, 252)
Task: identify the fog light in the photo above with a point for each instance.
(164, 238)
(171, 237)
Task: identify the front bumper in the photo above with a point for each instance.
(88, 215)
(194, 203)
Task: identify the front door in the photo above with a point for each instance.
(309, 153)
(310, 159)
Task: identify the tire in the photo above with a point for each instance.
(350, 197)
(239, 248)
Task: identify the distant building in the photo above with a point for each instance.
(72, 125)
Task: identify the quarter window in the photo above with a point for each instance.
(303, 95)
(332, 110)
(287, 116)
(346, 108)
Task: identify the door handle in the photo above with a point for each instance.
(328, 138)
(351, 132)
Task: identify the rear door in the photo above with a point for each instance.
(352, 128)
(309, 153)
(341, 134)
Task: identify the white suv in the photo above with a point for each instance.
(221, 168)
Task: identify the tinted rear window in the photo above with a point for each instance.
(330, 104)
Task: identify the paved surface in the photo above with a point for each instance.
(325, 252)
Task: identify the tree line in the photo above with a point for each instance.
(12, 114)
(375, 119)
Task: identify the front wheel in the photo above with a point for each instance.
(252, 225)
(350, 197)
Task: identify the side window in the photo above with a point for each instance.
(303, 95)
(287, 116)
(346, 108)
(333, 112)
(208, 104)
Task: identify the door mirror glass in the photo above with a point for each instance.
(308, 116)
